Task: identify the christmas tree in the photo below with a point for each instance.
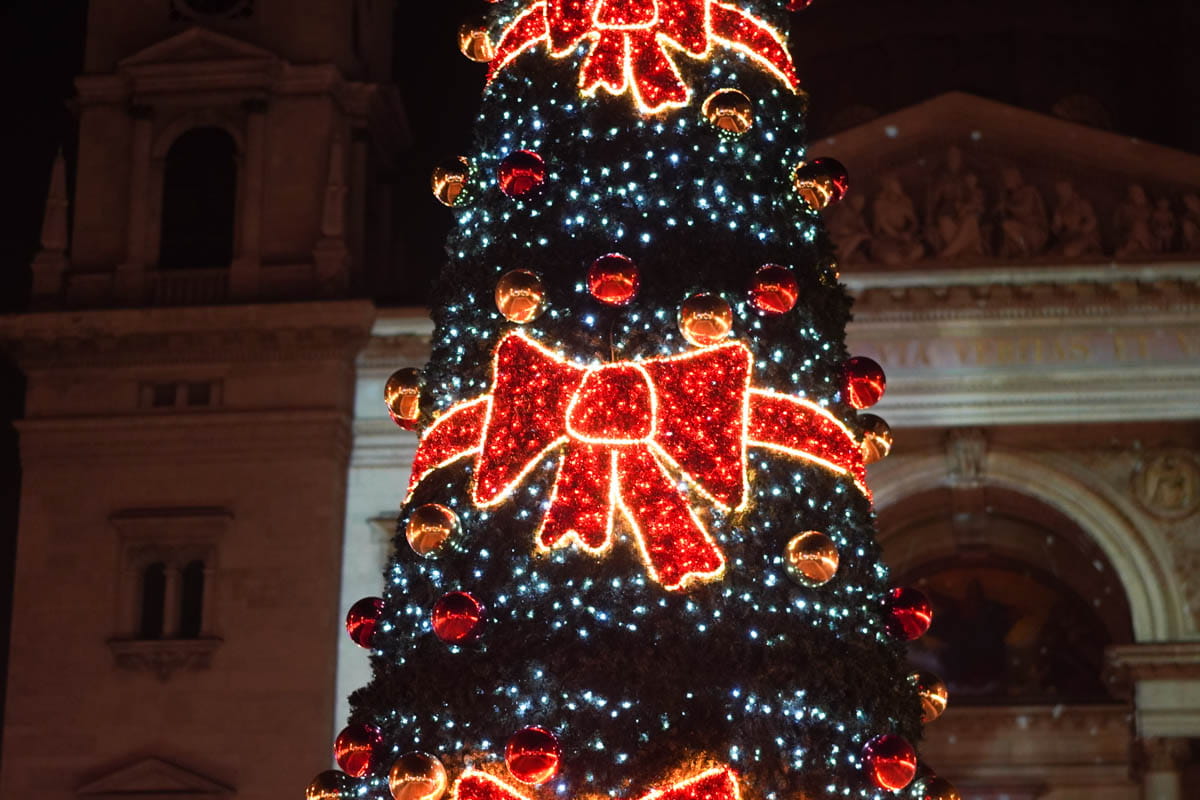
(636, 556)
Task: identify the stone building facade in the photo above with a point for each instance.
(188, 546)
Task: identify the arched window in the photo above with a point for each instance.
(191, 600)
(199, 196)
(154, 595)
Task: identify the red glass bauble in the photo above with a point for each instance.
(355, 747)
(613, 279)
(891, 761)
(457, 617)
(362, 618)
(774, 289)
(909, 613)
(521, 172)
(532, 755)
(863, 381)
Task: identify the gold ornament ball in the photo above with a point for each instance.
(811, 559)
(429, 528)
(820, 182)
(705, 319)
(520, 296)
(475, 43)
(933, 693)
(935, 788)
(877, 438)
(332, 784)
(729, 111)
(417, 776)
(449, 180)
(403, 397)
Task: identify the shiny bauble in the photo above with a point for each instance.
(705, 319)
(811, 559)
(449, 179)
(933, 693)
(362, 619)
(863, 381)
(935, 788)
(890, 761)
(429, 527)
(729, 111)
(457, 617)
(402, 394)
(820, 182)
(532, 755)
(908, 614)
(417, 776)
(356, 747)
(877, 438)
(475, 43)
(613, 279)
(829, 273)
(521, 173)
(520, 296)
(331, 784)
(798, 5)
(774, 289)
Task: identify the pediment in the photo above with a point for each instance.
(197, 44)
(1115, 198)
(154, 778)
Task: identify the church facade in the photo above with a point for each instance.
(1031, 286)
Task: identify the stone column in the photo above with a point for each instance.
(1160, 761)
(131, 279)
(245, 272)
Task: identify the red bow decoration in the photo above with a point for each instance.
(630, 41)
(719, 783)
(624, 430)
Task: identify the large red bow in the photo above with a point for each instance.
(633, 436)
(719, 783)
(630, 41)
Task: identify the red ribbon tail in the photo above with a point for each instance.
(453, 435)
(657, 82)
(524, 32)
(605, 64)
(743, 31)
(581, 503)
(676, 547)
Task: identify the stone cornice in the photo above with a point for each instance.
(1158, 661)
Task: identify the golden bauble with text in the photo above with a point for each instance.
(332, 784)
(705, 319)
(935, 788)
(933, 693)
(475, 43)
(811, 559)
(520, 296)
(402, 394)
(429, 527)
(449, 179)
(729, 111)
(877, 438)
(417, 776)
(820, 182)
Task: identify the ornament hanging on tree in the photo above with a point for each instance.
(474, 41)
(933, 693)
(429, 528)
(908, 613)
(811, 559)
(520, 296)
(417, 776)
(877, 438)
(890, 761)
(362, 619)
(457, 617)
(532, 755)
(521, 173)
(331, 784)
(932, 787)
(355, 748)
(863, 381)
(613, 279)
(774, 289)
(820, 182)
(402, 393)
(798, 5)
(729, 111)
(705, 319)
(449, 179)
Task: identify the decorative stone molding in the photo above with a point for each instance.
(155, 779)
(1139, 662)
(1167, 483)
(163, 657)
(966, 456)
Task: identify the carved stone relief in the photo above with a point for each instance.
(1167, 484)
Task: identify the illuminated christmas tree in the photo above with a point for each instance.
(637, 556)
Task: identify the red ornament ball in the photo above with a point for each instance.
(457, 617)
(521, 173)
(362, 618)
(532, 755)
(909, 614)
(613, 279)
(891, 761)
(774, 289)
(355, 748)
(863, 381)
